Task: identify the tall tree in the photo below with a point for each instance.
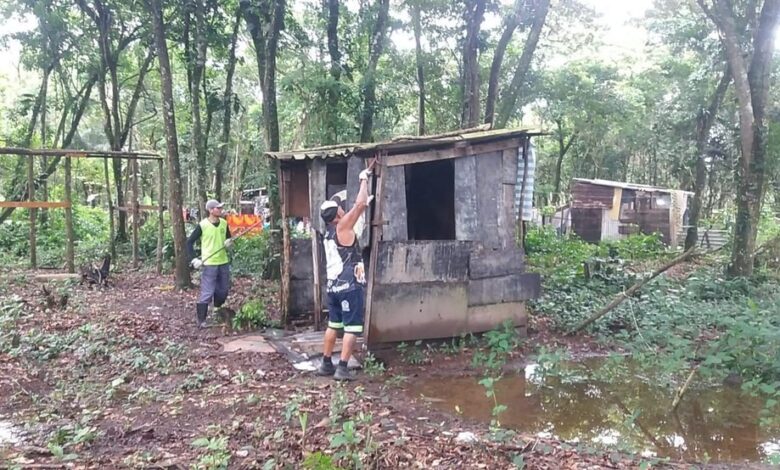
(227, 103)
(704, 122)
(416, 13)
(114, 37)
(473, 15)
(265, 21)
(376, 46)
(332, 15)
(511, 94)
(510, 25)
(196, 67)
(749, 55)
(181, 272)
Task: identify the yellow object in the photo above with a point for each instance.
(617, 197)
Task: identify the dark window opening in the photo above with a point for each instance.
(335, 178)
(430, 200)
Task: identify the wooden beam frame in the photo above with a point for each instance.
(70, 153)
(36, 204)
(377, 228)
(284, 179)
(455, 151)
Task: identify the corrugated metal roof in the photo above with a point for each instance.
(402, 144)
(624, 185)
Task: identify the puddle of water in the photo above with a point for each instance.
(721, 425)
(8, 435)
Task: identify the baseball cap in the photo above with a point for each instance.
(328, 211)
(213, 204)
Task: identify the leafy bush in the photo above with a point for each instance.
(252, 315)
(256, 256)
(147, 239)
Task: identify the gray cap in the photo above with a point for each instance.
(213, 204)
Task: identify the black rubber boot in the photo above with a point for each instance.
(343, 374)
(326, 368)
(203, 311)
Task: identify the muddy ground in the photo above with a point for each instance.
(122, 378)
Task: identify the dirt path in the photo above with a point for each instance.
(122, 378)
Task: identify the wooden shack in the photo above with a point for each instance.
(440, 241)
(610, 210)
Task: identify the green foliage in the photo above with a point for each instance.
(252, 315)
(215, 452)
(372, 366)
(256, 256)
(412, 354)
(319, 461)
(500, 342)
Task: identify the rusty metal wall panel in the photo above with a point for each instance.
(408, 312)
(301, 298)
(422, 261)
(298, 191)
(301, 266)
(503, 289)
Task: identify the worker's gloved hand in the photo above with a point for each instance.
(364, 175)
(370, 198)
(196, 263)
(228, 243)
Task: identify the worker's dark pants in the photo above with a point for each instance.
(214, 284)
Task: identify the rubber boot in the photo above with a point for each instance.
(203, 311)
(343, 374)
(326, 368)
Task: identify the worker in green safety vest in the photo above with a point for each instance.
(214, 235)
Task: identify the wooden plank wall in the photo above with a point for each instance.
(591, 196)
(298, 190)
(317, 173)
(394, 211)
(586, 223)
(466, 216)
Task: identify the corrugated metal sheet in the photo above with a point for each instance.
(528, 198)
(399, 145)
(624, 185)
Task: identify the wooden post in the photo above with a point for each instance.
(377, 227)
(315, 246)
(135, 212)
(69, 254)
(284, 179)
(111, 228)
(160, 222)
(33, 214)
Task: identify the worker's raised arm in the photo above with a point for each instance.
(346, 226)
(194, 237)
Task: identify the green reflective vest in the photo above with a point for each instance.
(212, 241)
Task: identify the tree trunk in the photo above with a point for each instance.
(265, 21)
(417, 26)
(751, 83)
(475, 12)
(227, 102)
(498, 59)
(181, 272)
(704, 124)
(563, 148)
(376, 46)
(509, 100)
(198, 68)
(332, 135)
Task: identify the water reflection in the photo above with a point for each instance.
(721, 425)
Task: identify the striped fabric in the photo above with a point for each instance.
(528, 198)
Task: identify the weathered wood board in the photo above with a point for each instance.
(509, 166)
(317, 188)
(404, 312)
(394, 212)
(466, 216)
(510, 288)
(489, 194)
(422, 261)
(487, 317)
(486, 262)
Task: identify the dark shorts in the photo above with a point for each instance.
(345, 310)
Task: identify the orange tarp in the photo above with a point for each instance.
(240, 223)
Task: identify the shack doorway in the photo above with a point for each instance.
(430, 200)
